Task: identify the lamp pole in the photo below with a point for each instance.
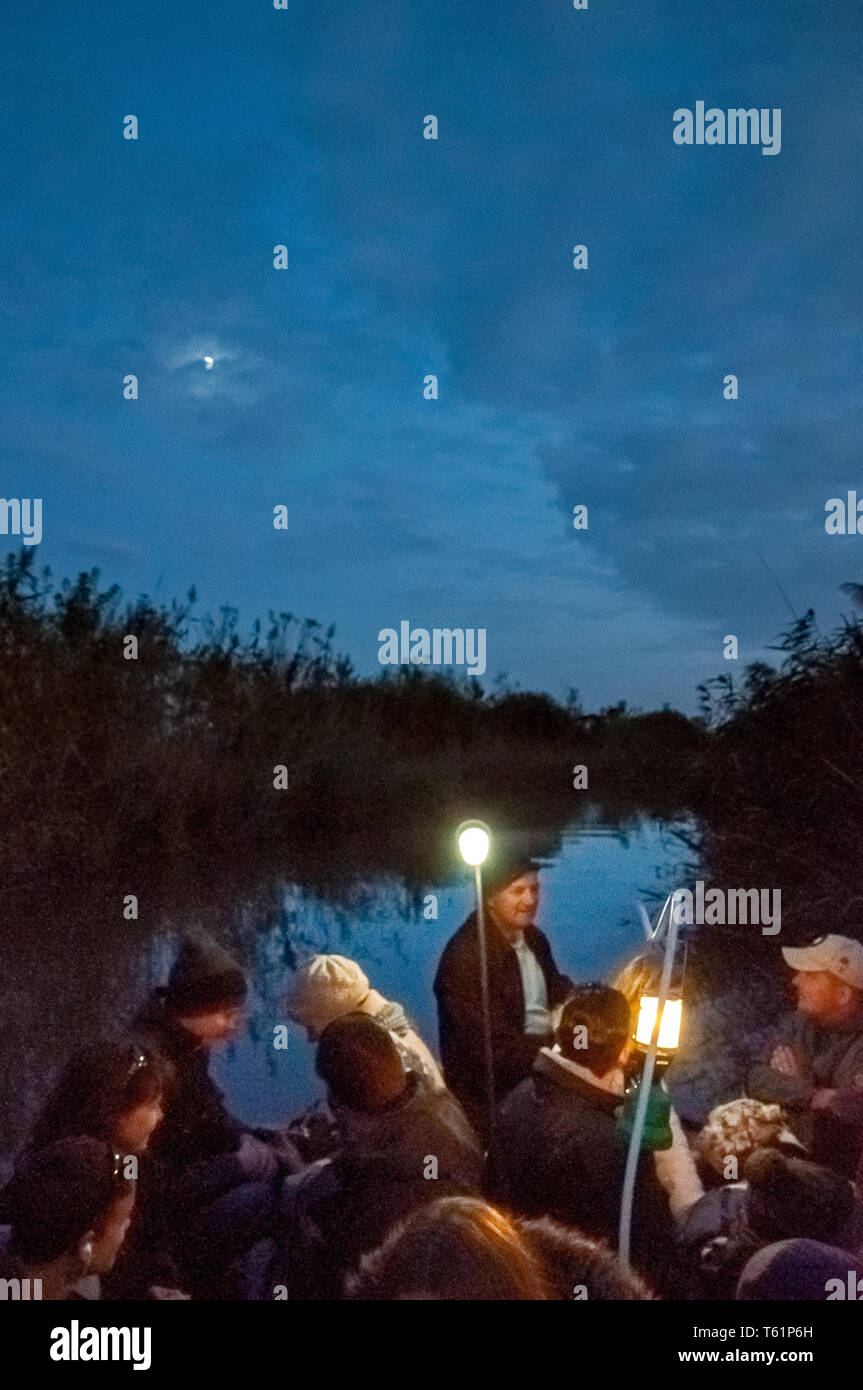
(486, 1011)
(474, 841)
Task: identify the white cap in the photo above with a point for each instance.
(839, 956)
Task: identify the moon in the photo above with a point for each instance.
(208, 363)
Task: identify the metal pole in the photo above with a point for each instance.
(645, 1084)
(486, 1014)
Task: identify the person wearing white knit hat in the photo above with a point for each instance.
(329, 986)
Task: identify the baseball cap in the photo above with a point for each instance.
(840, 956)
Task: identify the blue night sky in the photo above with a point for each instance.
(454, 256)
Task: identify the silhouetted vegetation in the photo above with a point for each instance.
(782, 804)
(168, 759)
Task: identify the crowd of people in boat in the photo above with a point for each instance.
(400, 1182)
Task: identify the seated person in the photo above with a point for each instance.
(777, 1198)
(579, 1268)
(525, 988)
(454, 1248)
(202, 1006)
(557, 1151)
(113, 1090)
(221, 1176)
(801, 1269)
(68, 1207)
(811, 1061)
(327, 987)
(402, 1143)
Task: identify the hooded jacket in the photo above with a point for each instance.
(557, 1153)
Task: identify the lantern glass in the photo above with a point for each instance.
(669, 1026)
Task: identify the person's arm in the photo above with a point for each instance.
(461, 1036)
(677, 1173)
(780, 1074)
(457, 1007)
(844, 1099)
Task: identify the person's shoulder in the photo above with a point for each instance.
(714, 1213)
(462, 941)
(520, 1099)
(150, 1022)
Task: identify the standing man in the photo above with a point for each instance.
(524, 986)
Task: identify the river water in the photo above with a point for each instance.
(74, 968)
(588, 909)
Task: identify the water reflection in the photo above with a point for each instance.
(72, 966)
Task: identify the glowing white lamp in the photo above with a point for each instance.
(473, 843)
(669, 1024)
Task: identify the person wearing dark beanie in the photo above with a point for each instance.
(201, 1005)
(220, 1173)
(525, 986)
(204, 981)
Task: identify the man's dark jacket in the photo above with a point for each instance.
(556, 1152)
(459, 1000)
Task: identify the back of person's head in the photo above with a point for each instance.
(792, 1197)
(578, 1267)
(594, 1027)
(61, 1193)
(455, 1248)
(360, 1063)
(641, 975)
(736, 1129)
(800, 1269)
(99, 1083)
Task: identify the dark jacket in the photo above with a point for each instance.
(831, 1059)
(343, 1206)
(145, 1258)
(726, 1226)
(458, 991)
(197, 1126)
(714, 1242)
(556, 1153)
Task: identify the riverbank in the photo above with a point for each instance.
(161, 741)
